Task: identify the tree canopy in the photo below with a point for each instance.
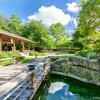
(39, 33)
(58, 34)
(88, 25)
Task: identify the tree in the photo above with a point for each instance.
(15, 25)
(89, 17)
(38, 32)
(88, 25)
(3, 22)
(58, 32)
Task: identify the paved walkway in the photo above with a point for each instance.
(11, 76)
(14, 80)
(8, 73)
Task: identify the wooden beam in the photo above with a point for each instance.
(0, 44)
(23, 47)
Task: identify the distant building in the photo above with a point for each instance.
(13, 42)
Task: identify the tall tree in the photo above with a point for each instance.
(15, 24)
(38, 32)
(58, 33)
(88, 24)
(3, 22)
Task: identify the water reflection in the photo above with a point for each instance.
(61, 88)
(60, 91)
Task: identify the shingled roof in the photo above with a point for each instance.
(14, 36)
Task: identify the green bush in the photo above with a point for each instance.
(27, 60)
(85, 52)
(92, 55)
(9, 54)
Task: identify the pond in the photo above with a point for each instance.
(64, 88)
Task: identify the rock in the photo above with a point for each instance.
(56, 65)
(87, 63)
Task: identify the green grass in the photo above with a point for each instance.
(4, 55)
(66, 55)
(27, 60)
(34, 53)
(6, 63)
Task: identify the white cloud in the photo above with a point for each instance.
(50, 15)
(73, 7)
(57, 86)
(60, 86)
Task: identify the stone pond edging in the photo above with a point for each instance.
(82, 69)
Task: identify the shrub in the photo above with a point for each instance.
(92, 55)
(28, 60)
(85, 52)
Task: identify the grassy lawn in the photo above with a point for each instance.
(28, 60)
(34, 53)
(4, 55)
(66, 55)
(6, 63)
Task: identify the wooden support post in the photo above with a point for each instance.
(29, 47)
(13, 45)
(0, 44)
(31, 77)
(23, 47)
(32, 47)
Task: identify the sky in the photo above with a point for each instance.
(48, 11)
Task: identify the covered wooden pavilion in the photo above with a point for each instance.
(8, 42)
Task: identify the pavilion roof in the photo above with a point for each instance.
(14, 36)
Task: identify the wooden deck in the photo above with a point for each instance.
(20, 87)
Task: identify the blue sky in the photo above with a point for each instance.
(49, 11)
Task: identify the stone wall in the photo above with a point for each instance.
(82, 68)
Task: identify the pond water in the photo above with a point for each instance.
(64, 88)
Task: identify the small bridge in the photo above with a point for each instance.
(21, 87)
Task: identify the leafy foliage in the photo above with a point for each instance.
(86, 37)
(38, 32)
(15, 25)
(3, 22)
(58, 33)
